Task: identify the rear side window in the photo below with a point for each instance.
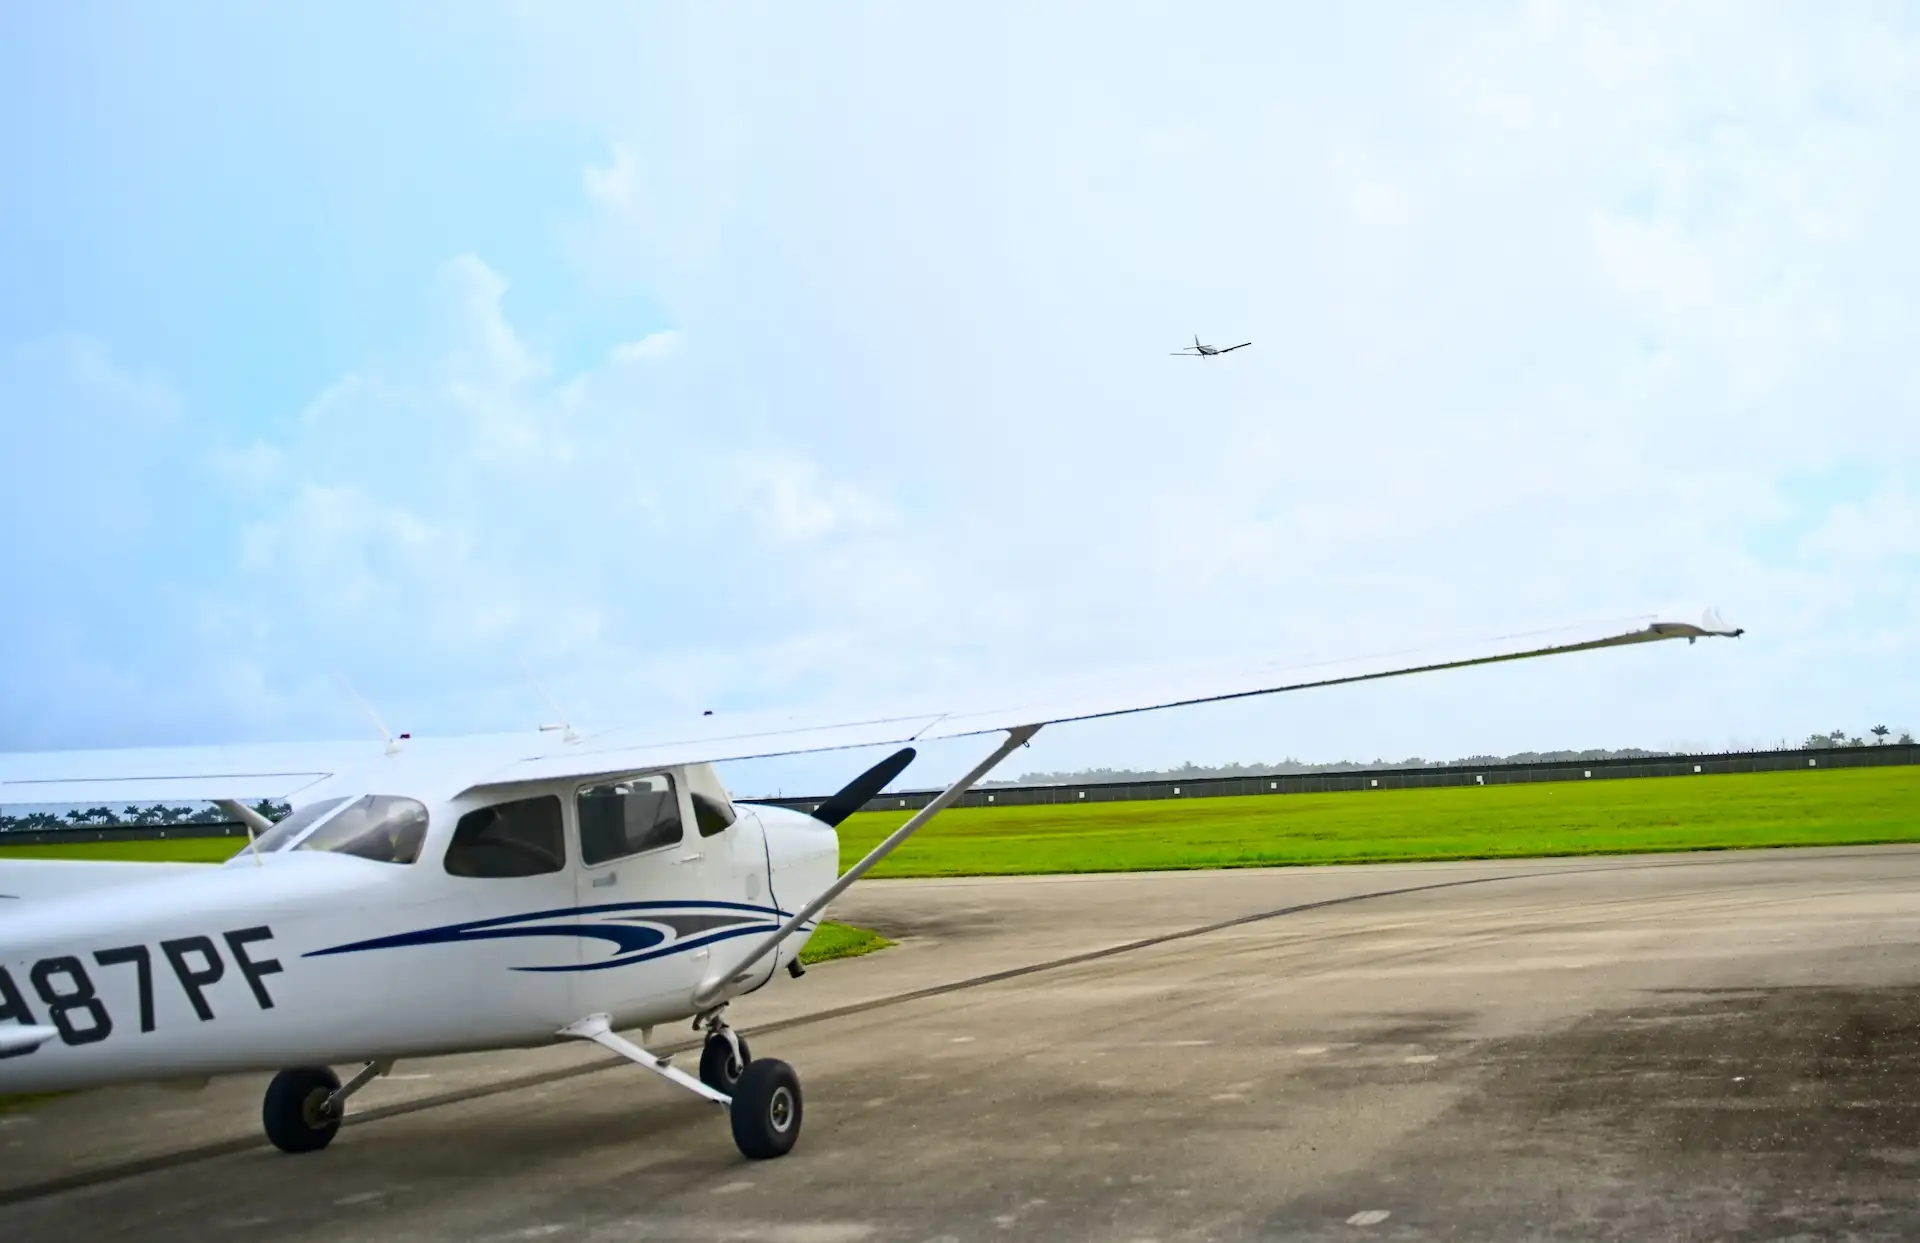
(523, 838)
(628, 817)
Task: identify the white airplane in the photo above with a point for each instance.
(1206, 351)
(433, 896)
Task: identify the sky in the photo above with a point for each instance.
(656, 359)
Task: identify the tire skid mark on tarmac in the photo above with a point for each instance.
(220, 1148)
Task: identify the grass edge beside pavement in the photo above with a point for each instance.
(832, 940)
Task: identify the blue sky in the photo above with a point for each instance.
(729, 356)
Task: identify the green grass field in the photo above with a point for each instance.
(1818, 808)
(1618, 816)
(172, 850)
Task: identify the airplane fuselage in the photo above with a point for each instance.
(310, 957)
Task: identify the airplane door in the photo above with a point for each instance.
(509, 872)
(653, 898)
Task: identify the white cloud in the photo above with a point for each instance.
(482, 347)
(249, 467)
(85, 363)
(654, 347)
(798, 506)
(612, 185)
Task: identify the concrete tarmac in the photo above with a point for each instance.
(1719, 1046)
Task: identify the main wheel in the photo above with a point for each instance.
(766, 1109)
(295, 1109)
(719, 1068)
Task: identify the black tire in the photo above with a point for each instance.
(766, 1109)
(292, 1109)
(718, 1069)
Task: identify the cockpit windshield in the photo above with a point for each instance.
(382, 827)
(283, 833)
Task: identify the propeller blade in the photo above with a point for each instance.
(854, 795)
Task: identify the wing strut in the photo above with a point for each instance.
(255, 822)
(712, 991)
(18, 1040)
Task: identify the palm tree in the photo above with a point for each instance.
(1880, 733)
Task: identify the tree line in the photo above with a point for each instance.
(159, 814)
(1194, 772)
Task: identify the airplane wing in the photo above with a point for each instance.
(1231, 348)
(448, 766)
(35, 880)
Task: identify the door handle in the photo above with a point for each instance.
(690, 858)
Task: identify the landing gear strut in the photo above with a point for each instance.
(304, 1106)
(764, 1104)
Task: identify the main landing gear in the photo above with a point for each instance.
(724, 1056)
(762, 1098)
(304, 1106)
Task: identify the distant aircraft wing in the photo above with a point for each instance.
(1230, 348)
(445, 767)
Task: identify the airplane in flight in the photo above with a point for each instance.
(434, 896)
(1207, 351)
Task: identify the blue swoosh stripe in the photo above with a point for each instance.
(669, 951)
(631, 942)
(625, 937)
(603, 908)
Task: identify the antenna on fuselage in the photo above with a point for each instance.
(565, 726)
(393, 745)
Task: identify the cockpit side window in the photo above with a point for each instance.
(381, 827)
(711, 817)
(712, 810)
(628, 817)
(525, 837)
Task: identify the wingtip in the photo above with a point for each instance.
(1711, 625)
